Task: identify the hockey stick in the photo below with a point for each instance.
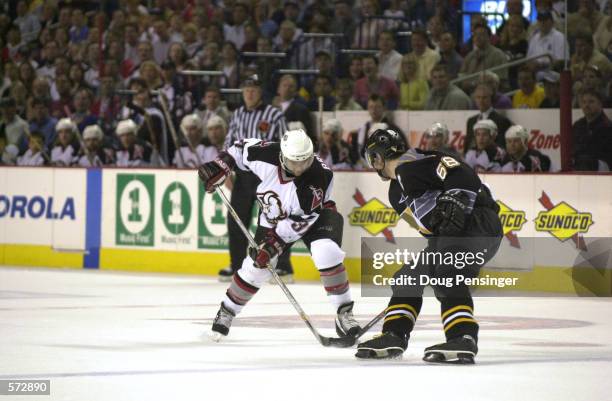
(340, 342)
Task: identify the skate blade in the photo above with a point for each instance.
(450, 357)
(215, 336)
(371, 353)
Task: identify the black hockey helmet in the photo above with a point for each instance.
(383, 145)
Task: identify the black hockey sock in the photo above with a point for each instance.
(458, 317)
(401, 315)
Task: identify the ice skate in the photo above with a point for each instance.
(346, 325)
(385, 346)
(222, 323)
(460, 350)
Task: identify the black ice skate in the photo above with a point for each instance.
(460, 350)
(386, 346)
(222, 323)
(346, 325)
(225, 274)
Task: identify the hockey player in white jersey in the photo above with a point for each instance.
(97, 155)
(67, 147)
(486, 156)
(192, 127)
(294, 197)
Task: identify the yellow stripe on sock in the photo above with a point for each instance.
(404, 306)
(456, 308)
(462, 320)
(394, 317)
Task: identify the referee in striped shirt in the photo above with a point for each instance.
(254, 119)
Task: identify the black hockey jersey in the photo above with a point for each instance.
(291, 205)
(421, 177)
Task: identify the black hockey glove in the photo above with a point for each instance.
(271, 246)
(215, 172)
(450, 214)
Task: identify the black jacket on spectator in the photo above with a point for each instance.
(297, 111)
(592, 142)
(502, 122)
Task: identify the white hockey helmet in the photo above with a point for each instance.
(93, 132)
(216, 121)
(332, 125)
(65, 123)
(191, 120)
(438, 129)
(488, 125)
(125, 127)
(517, 131)
(297, 151)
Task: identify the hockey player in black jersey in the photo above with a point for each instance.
(446, 201)
(294, 197)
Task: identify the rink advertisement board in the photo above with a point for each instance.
(162, 220)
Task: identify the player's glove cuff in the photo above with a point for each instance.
(271, 246)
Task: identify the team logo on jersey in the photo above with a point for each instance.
(373, 216)
(563, 222)
(317, 198)
(263, 126)
(271, 207)
(512, 220)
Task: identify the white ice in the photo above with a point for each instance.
(117, 336)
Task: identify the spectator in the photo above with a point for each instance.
(334, 152)
(356, 68)
(436, 139)
(66, 149)
(161, 42)
(322, 62)
(485, 156)
(483, 101)
(212, 107)
(14, 44)
(28, 23)
(435, 27)
(344, 96)
(552, 99)
(235, 33)
(519, 158)
(63, 106)
(389, 59)
(19, 94)
(514, 8)
(322, 89)
(27, 75)
(79, 29)
(49, 54)
(95, 154)
(145, 52)
(592, 135)
(449, 56)
(585, 55)
(286, 42)
(500, 100)
(151, 74)
(547, 40)
(133, 151)
(585, 20)
(12, 126)
(366, 33)
(426, 57)
(194, 153)
(373, 83)
(77, 78)
(591, 79)
(107, 105)
(190, 40)
(82, 116)
(34, 155)
(514, 43)
(344, 21)
(41, 121)
(294, 108)
(483, 56)
(529, 95)
(229, 65)
(377, 112)
(413, 91)
(178, 55)
(443, 94)
(131, 41)
(603, 35)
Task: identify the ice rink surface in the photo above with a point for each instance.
(117, 336)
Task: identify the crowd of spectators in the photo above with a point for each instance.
(96, 83)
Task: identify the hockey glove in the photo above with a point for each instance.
(271, 246)
(215, 172)
(450, 214)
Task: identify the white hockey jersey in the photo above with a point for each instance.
(65, 156)
(29, 159)
(290, 205)
(488, 160)
(189, 158)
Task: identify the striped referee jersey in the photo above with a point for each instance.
(265, 122)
